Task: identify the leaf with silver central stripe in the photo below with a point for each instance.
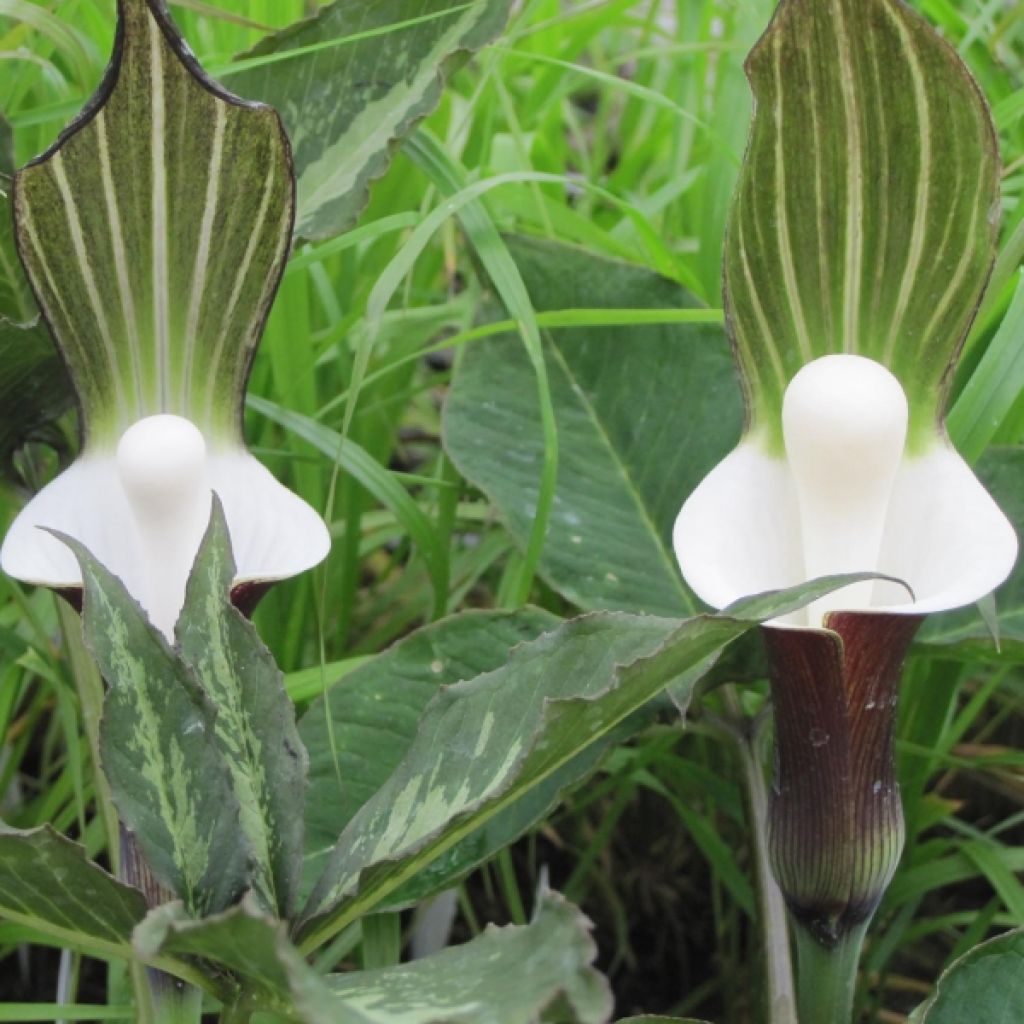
(154, 233)
(159, 750)
(353, 80)
(255, 723)
(864, 216)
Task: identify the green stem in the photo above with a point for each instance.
(827, 976)
(780, 995)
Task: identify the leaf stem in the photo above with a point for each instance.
(827, 976)
(780, 995)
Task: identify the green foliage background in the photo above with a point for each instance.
(619, 126)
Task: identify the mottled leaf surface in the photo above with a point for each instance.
(353, 80)
(485, 743)
(963, 633)
(154, 233)
(167, 775)
(986, 984)
(374, 712)
(643, 414)
(48, 885)
(255, 721)
(864, 218)
(504, 976)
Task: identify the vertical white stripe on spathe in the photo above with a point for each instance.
(213, 367)
(854, 188)
(782, 232)
(120, 256)
(161, 327)
(203, 250)
(83, 258)
(917, 234)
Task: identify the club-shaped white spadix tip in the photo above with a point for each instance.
(844, 424)
(162, 463)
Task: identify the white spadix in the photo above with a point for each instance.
(846, 495)
(844, 422)
(161, 461)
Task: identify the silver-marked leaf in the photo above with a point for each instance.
(154, 233)
(353, 80)
(985, 984)
(643, 413)
(374, 714)
(485, 743)
(167, 775)
(964, 633)
(864, 218)
(505, 976)
(255, 722)
(47, 884)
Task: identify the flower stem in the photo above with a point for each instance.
(780, 997)
(827, 976)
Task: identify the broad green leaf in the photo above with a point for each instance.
(504, 976)
(353, 80)
(159, 751)
(47, 884)
(643, 413)
(360, 732)
(487, 742)
(864, 219)
(154, 233)
(964, 633)
(34, 388)
(986, 984)
(654, 1019)
(255, 721)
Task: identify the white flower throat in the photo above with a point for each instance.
(844, 424)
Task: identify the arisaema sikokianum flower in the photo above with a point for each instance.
(860, 240)
(154, 234)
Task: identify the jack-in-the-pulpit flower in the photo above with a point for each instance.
(860, 239)
(154, 234)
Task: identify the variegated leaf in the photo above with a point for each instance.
(255, 722)
(154, 233)
(864, 218)
(504, 976)
(168, 777)
(47, 884)
(354, 79)
(487, 742)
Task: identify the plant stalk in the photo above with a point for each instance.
(827, 977)
(780, 995)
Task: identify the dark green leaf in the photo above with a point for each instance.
(351, 81)
(487, 742)
(505, 976)
(160, 754)
(643, 413)
(47, 884)
(255, 723)
(154, 233)
(986, 984)
(864, 216)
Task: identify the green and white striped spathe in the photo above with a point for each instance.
(864, 220)
(154, 233)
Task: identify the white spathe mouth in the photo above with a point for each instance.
(142, 512)
(845, 497)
